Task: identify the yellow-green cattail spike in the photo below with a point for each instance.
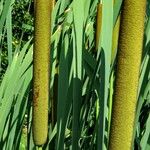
(129, 58)
(113, 55)
(115, 38)
(98, 24)
(41, 71)
(53, 3)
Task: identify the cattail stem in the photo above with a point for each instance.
(53, 3)
(98, 24)
(113, 56)
(41, 65)
(115, 39)
(129, 58)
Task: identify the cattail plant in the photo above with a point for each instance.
(98, 30)
(98, 24)
(53, 3)
(129, 58)
(115, 38)
(41, 70)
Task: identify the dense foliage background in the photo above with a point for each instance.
(85, 117)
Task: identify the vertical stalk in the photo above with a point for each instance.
(98, 24)
(129, 58)
(115, 31)
(53, 3)
(41, 69)
(115, 38)
(113, 56)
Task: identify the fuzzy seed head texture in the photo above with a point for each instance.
(41, 64)
(127, 76)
